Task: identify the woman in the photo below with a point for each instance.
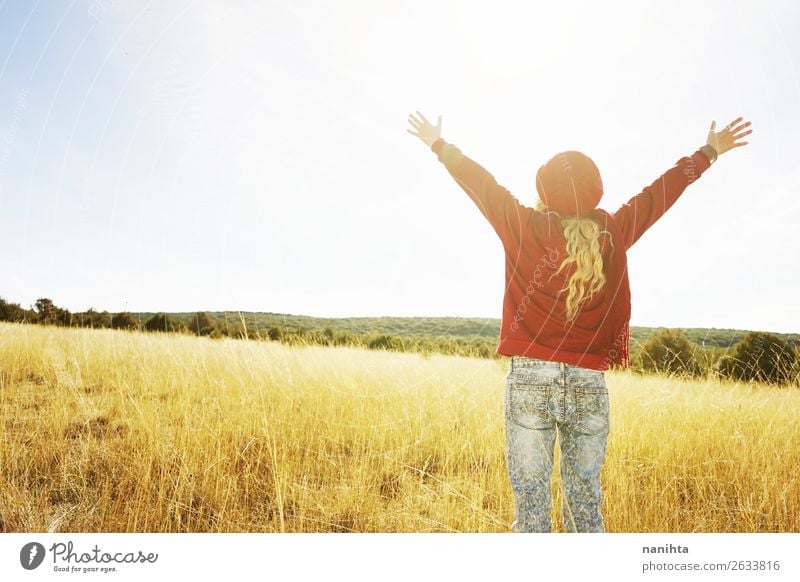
(565, 312)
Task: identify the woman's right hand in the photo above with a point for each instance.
(725, 140)
(424, 129)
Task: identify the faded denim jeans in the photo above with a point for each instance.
(543, 399)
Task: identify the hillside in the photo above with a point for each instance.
(464, 327)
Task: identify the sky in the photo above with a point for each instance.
(181, 156)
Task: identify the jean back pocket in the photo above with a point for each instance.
(527, 397)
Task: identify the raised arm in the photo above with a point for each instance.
(644, 209)
(498, 205)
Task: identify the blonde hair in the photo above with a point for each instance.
(583, 250)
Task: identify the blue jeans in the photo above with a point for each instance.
(541, 400)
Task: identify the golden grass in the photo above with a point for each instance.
(112, 431)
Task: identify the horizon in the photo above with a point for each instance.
(187, 155)
(468, 317)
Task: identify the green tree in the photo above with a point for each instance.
(63, 317)
(669, 352)
(46, 311)
(124, 320)
(201, 323)
(763, 357)
(92, 318)
(103, 320)
(13, 312)
(49, 313)
(161, 322)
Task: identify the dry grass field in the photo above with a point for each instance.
(104, 431)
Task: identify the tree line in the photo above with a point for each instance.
(757, 356)
(46, 312)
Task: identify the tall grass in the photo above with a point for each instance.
(116, 431)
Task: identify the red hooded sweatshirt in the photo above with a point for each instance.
(534, 323)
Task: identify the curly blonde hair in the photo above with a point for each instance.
(583, 250)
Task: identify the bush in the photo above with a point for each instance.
(92, 318)
(161, 322)
(761, 357)
(669, 352)
(123, 320)
(201, 323)
(345, 338)
(386, 342)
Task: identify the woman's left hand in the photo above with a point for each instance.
(728, 138)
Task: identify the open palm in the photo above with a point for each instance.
(725, 140)
(424, 129)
